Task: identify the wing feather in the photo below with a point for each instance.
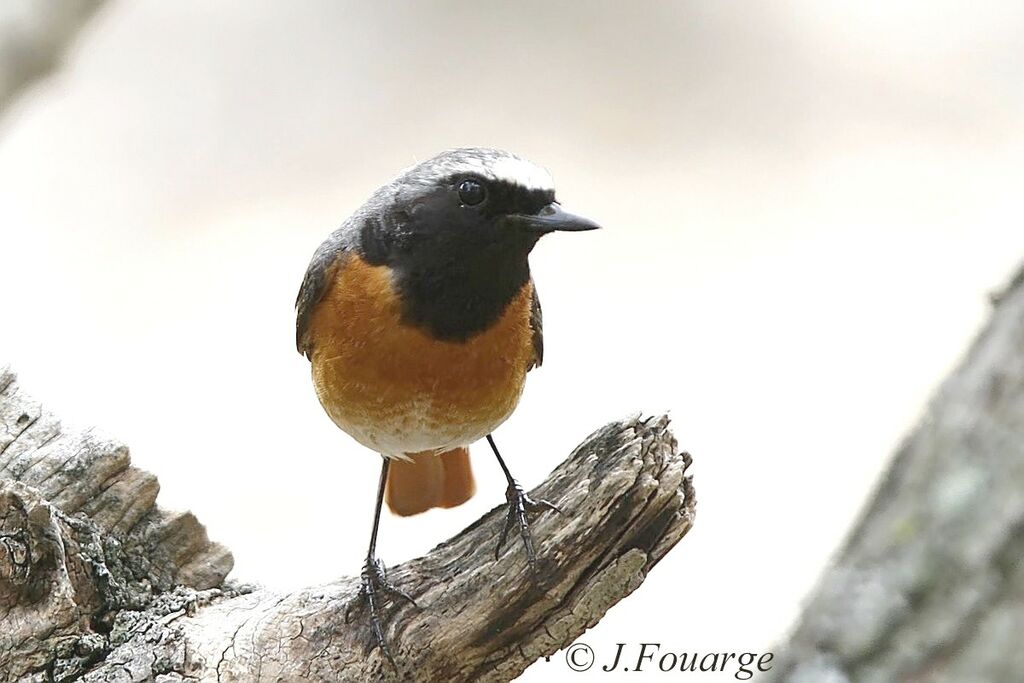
(537, 325)
(322, 268)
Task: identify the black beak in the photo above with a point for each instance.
(552, 218)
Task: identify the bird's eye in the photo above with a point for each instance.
(472, 192)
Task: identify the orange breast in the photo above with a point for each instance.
(396, 389)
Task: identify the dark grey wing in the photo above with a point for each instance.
(537, 325)
(326, 261)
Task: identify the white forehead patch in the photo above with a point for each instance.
(490, 164)
(522, 173)
(509, 169)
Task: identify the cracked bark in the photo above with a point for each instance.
(99, 584)
(929, 586)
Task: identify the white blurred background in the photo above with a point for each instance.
(806, 204)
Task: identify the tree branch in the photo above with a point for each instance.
(98, 584)
(34, 35)
(930, 583)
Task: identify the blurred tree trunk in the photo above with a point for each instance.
(97, 583)
(34, 35)
(930, 584)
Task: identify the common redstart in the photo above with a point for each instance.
(420, 320)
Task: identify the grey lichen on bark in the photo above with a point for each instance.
(81, 542)
(97, 583)
(929, 586)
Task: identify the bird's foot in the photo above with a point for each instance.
(520, 506)
(374, 590)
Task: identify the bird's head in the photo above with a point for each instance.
(470, 201)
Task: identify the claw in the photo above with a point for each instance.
(519, 507)
(373, 589)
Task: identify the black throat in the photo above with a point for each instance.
(457, 299)
(456, 269)
(450, 287)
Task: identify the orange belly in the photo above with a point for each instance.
(397, 390)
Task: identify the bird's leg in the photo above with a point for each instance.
(520, 506)
(375, 587)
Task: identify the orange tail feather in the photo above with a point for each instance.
(429, 481)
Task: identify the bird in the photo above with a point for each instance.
(420, 320)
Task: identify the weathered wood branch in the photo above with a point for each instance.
(34, 36)
(99, 584)
(930, 584)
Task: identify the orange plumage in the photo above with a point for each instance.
(429, 481)
(401, 392)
